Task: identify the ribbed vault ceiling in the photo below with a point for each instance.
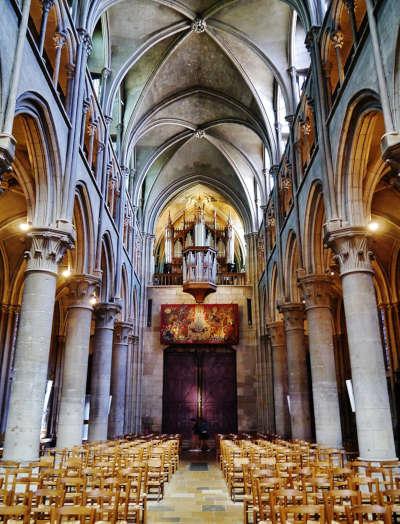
(192, 91)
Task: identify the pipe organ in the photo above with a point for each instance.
(198, 251)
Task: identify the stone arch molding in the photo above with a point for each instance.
(355, 180)
(43, 188)
(177, 187)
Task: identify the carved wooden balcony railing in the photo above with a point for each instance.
(223, 279)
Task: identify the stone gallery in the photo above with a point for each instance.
(199, 259)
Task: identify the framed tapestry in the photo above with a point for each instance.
(199, 324)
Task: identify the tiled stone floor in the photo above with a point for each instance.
(197, 493)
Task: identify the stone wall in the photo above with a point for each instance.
(245, 353)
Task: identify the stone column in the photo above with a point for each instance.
(76, 354)
(373, 417)
(128, 387)
(119, 371)
(101, 370)
(134, 404)
(317, 292)
(276, 334)
(299, 390)
(28, 387)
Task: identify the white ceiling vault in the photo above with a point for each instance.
(197, 91)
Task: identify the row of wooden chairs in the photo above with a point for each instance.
(103, 481)
(271, 477)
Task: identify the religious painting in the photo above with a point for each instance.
(199, 324)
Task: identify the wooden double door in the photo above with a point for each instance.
(199, 381)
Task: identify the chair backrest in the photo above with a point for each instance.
(302, 514)
(369, 513)
(390, 496)
(289, 496)
(19, 512)
(82, 514)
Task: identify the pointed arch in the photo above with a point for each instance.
(40, 178)
(360, 164)
(107, 268)
(291, 265)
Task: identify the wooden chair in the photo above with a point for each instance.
(15, 513)
(6, 497)
(368, 487)
(43, 501)
(236, 476)
(79, 514)
(302, 514)
(73, 489)
(369, 513)
(104, 501)
(133, 503)
(154, 477)
(285, 497)
(391, 497)
(336, 502)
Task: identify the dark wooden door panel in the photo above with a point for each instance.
(219, 391)
(209, 373)
(180, 392)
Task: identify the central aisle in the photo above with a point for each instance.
(197, 493)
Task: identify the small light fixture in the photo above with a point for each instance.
(66, 273)
(332, 273)
(93, 300)
(373, 226)
(24, 226)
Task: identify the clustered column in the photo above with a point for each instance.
(276, 334)
(373, 417)
(77, 338)
(299, 396)
(22, 435)
(119, 378)
(101, 370)
(317, 292)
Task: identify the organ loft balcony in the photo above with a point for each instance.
(199, 273)
(199, 244)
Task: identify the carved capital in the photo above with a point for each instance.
(105, 72)
(125, 171)
(81, 291)
(92, 127)
(85, 40)
(105, 314)
(7, 153)
(311, 37)
(199, 25)
(274, 170)
(122, 332)
(276, 334)
(317, 290)
(85, 105)
(350, 245)
(48, 247)
(70, 71)
(390, 147)
(108, 119)
(289, 119)
(350, 5)
(293, 314)
(337, 38)
(59, 39)
(47, 5)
